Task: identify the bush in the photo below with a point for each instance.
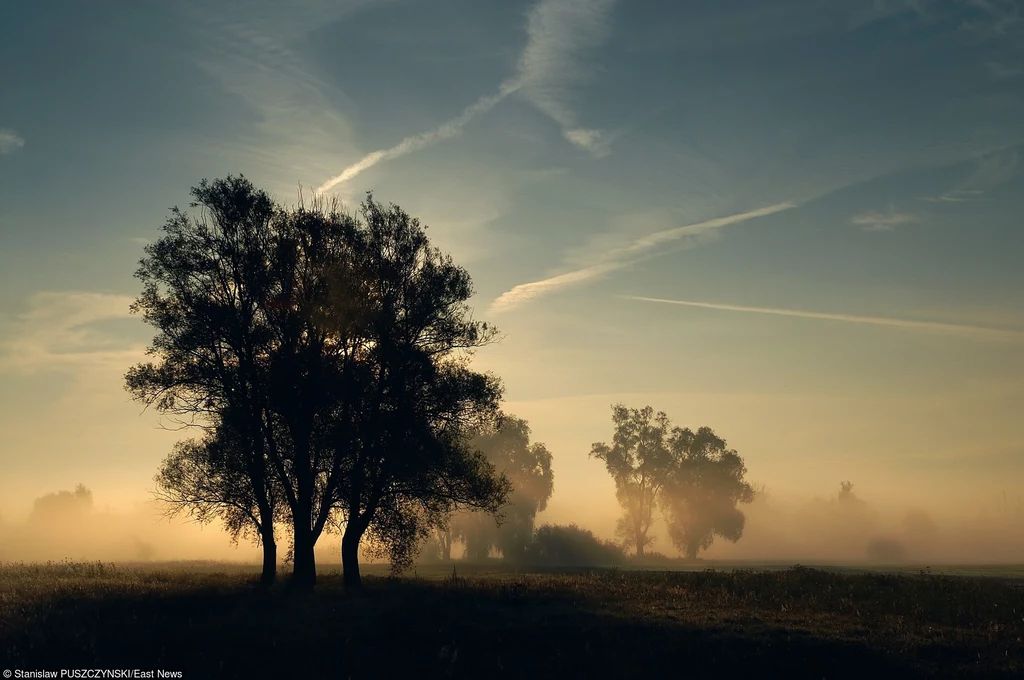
(570, 546)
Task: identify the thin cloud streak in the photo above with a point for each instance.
(413, 143)
(623, 257)
(944, 328)
(884, 221)
(556, 31)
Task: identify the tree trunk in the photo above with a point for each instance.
(640, 546)
(350, 557)
(445, 539)
(269, 574)
(691, 551)
(304, 574)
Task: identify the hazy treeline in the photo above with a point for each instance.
(690, 479)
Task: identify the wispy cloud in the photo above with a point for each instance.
(57, 332)
(884, 221)
(10, 141)
(252, 48)
(935, 327)
(989, 171)
(618, 258)
(558, 31)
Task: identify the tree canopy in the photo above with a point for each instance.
(637, 459)
(695, 480)
(703, 485)
(327, 357)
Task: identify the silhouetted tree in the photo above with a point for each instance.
(528, 467)
(704, 485)
(316, 377)
(336, 350)
(236, 296)
(411, 462)
(638, 460)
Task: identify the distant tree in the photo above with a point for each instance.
(430, 550)
(444, 538)
(572, 546)
(62, 507)
(704, 485)
(638, 460)
(528, 468)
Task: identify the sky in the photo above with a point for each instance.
(796, 222)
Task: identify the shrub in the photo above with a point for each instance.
(572, 546)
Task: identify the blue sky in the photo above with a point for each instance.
(859, 160)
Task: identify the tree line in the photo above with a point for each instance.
(691, 478)
(324, 359)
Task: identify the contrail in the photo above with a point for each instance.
(448, 130)
(640, 249)
(557, 30)
(946, 328)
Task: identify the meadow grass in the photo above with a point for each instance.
(795, 623)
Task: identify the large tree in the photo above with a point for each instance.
(411, 461)
(239, 295)
(314, 378)
(638, 460)
(336, 348)
(528, 467)
(704, 484)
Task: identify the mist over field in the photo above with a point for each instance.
(823, 529)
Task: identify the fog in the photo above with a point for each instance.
(832, 527)
(849, 529)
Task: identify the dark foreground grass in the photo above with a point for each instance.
(799, 623)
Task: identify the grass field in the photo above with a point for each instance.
(213, 621)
